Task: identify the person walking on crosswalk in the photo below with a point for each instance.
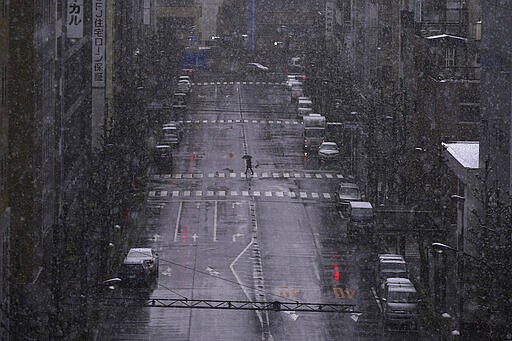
(248, 164)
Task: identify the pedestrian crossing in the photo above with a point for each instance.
(231, 121)
(262, 175)
(239, 83)
(158, 194)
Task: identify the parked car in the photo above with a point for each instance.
(297, 92)
(347, 192)
(170, 136)
(390, 265)
(162, 158)
(399, 302)
(361, 219)
(328, 151)
(140, 267)
(185, 77)
(179, 101)
(184, 86)
(304, 106)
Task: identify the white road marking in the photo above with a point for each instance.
(286, 175)
(256, 193)
(319, 176)
(177, 176)
(215, 222)
(230, 121)
(178, 218)
(280, 194)
(222, 175)
(211, 175)
(339, 176)
(308, 176)
(314, 195)
(152, 193)
(303, 195)
(328, 176)
(194, 237)
(232, 175)
(268, 194)
(175, 193)
(292, 194)
(327, 196)
(221, 193)
(275, 175)
(234, 193)
(199, 193)
(264, 175)
(297, 175)
(209, 193)
(186, 193)
(245, 193)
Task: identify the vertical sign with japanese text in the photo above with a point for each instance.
(99, 64)
(98, 41)
(75, 19)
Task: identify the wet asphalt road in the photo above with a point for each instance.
(274, 236)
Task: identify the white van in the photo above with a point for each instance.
(304, 107)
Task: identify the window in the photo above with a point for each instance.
(450, 57)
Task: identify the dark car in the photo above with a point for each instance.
(162, 157)
(140, 267)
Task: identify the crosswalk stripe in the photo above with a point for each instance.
(292, 194)
(245, 193)
(152, 193)
(327, 196)
(307, 175)
(211, 175)
(221, 193)
(268, 194)
(303, 195)
(163, 193)
(339, 176)
(314, 195)
(256, 193)
(280, 194)
(275, 175)
(199, 193)
(177, 176)
(286, 175)
(264, 175)
(222, 175)
(175, 193)
(319, 176)
(209, 193)
(186, 193)
(232, 175)
(329, 176)
(234, 193)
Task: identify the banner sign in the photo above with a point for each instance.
(75, 19)
(98, 42)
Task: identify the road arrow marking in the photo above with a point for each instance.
(194, 237)
(167, 272)
(355, 316)
(212, 271)
(236, 235)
